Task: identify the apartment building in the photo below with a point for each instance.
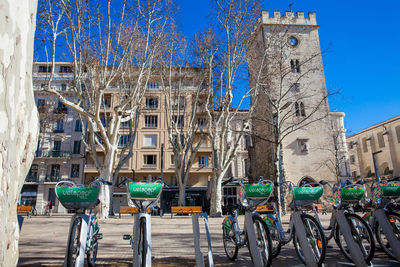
(382, 141)
(60, 154)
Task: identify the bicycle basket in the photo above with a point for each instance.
(307, 194)
(385, 190)
(77, 197)
(144, 191)
(258, 191)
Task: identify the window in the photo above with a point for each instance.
(32, 174)
(65, 69)
(107, 101)
(295, 88)
(354, 174)
(202, 161)
(123, 140)
(125, 124)
(77, 147)
(179, 103)
(179, 120)
(398, 134)
(150, 159)
(41, 103)
(103, 121)
(247, 141)
(59, 126)
(63, 87)
(78, 126)
(174, 138)
(303, 145)
(44, 69)
(75, 170)
(202, 122)
(150, 140)
(351, 145)
(172, 159)
(55, 171)
(302, 110)
(299, 109)
(152, 85)
(230, 196)
(352, 159)
(364, 143)
(150, 121)
(295, 65)
(57, 146)
(381, 141)
(151, 103)
(42, 85)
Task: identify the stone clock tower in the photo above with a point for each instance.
(290, 98)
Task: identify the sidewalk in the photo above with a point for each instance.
(43, 241)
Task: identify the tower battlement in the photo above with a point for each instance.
(289, 18)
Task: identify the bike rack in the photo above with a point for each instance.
(196, 238)
(355, 251)
(251, 234)
(387, 230)
(301, 234)
(136, 234)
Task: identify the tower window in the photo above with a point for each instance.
(299, 109)
(295, 65)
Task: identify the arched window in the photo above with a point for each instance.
(302, 110)
(296, 107)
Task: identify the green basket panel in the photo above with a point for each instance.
(144, 190)
(308, 193)
(391, 190)
(258, 190)
(77, 194)
(352, 194)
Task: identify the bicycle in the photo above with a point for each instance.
(252, 195)
(305, 231)
(384, 221)
(142, 196)
(84, 231)
(351, 232)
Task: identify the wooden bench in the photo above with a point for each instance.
(129, 210)
(185, 210)
(265, 209)
(24, 210)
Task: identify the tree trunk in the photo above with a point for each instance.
(106, 174)
(280, 177)
(216, 197)
(182, 195)
(18, 116)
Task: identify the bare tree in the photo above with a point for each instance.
(112, 48)
(283, 84)
(18, 116)
(222, 51)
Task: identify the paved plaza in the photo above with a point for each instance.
(43, 242)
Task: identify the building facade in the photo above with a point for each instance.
(60, 154)
(292, 100)
(381, 140)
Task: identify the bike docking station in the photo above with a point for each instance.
(138, 218)
(387, 229)
(80, 261)
(252, 239)
(344, 227)
(196, 238)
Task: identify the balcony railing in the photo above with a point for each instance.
(53, 154)
(31, 179)
(52, 179)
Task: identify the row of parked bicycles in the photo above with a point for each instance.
(262, 235)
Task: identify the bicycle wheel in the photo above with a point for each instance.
(229, 240)
(142, 242)
(91, 253)
(275, 235)
(394, 220)
(263, 240)
(362, 234)
(74, 242)
(315, 237)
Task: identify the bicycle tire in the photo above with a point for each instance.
(142, 242)
(74, 242)
(229, 236)
(263, 239)
(92, 251)
(316, 243)
(368, 253)
(380, 235)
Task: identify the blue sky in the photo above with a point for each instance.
(363, 62)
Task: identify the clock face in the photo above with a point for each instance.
(293, 41)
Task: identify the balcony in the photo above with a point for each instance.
(52, 179)
(31, 179)
(53, 154)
